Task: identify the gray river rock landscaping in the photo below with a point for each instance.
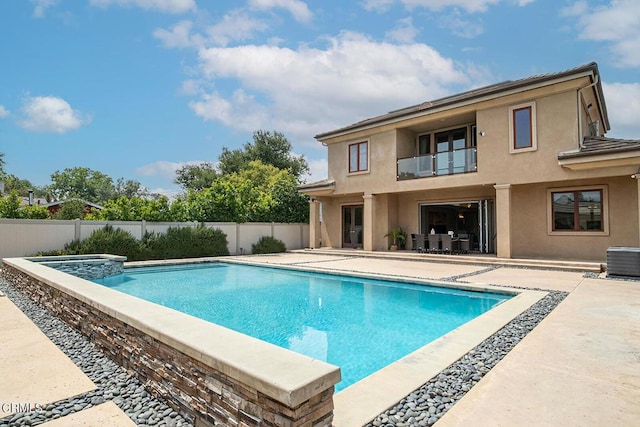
(423, 407)
(426, 405)
(112, 381)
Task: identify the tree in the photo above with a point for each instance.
(34, 212)
(82, 183)
(224, 201)
(270, 148)
(134, 209)
(2, 172)
(288, 204)
(10, 207)
(129, 188)
(258, 193)
(21, 186)
(196, 177)
(71, 209)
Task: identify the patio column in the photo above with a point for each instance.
(368, 221)
(314, 223)
(503, 220)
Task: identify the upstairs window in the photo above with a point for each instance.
(522, 127)
(358, 157)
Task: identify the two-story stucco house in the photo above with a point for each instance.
(522, 168)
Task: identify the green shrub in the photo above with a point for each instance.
(71, 248)
(186, 242)
(74, 247)
(55, 252)
(114, 241)
(268, 245)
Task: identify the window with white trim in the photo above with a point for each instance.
(522, 128)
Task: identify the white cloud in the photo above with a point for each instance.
(461, 27)
(405, 32)
(377, 5)
(51, 114)
(297, 8)
(40, 6)
(617, 24)
(170, 194)
(4, 112)
(576, 9)
(623, 107)
(163, 168)
(235, 26)
(310, 90)
(241, 111)
(179, 35)
(190, 87)
(318, 169)
(167, 6)
(468, 5)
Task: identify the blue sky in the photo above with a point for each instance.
(137, 88)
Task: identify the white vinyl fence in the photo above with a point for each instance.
(24, 237)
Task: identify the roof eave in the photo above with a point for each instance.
(590, 70)
(601, 160)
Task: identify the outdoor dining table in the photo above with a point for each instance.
(456, 242)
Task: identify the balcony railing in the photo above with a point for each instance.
(446, 163)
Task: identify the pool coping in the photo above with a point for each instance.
(283, 375)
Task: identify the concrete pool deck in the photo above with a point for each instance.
(577, 367)
(35, 372)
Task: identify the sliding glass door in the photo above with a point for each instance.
(472, 219)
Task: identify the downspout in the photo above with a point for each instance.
(580, 138)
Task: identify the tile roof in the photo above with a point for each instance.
(493, 89)
(595, 145)
(60, 202)
(322, 184)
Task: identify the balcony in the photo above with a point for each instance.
(439, 164)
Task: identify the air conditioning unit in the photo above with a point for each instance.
(623, 261)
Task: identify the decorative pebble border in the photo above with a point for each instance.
(423, 407)
(426, 405)
(112, 381)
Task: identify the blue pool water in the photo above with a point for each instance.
(358, 324)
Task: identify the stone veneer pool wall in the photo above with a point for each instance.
(209, 374)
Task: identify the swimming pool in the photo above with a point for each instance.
(358, 324)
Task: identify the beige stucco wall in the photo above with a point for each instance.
(530, 235)
(561, 121)
(331, 226)
(557, 131)
(382, 164)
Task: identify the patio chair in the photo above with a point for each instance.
(434, 243)
(465, 243)
(446, 243)
(418, 242)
